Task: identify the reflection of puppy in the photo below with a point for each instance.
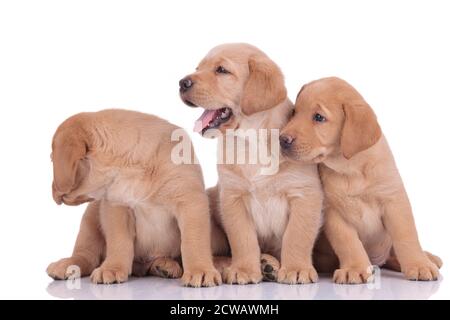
(388, 286)
(147, 209)
(241, 88)
(368, 218)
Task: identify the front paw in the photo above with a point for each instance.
(295, 275)
(197, 278)
(108, 274)
(353, 275)
(422, 270)
(66, 268)
(242, 275)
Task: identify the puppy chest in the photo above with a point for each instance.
(157, 233)
(269, 210)
(365, 216)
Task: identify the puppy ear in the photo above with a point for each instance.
(361, 129)
(56, 196)
(265, 86)
(69, 147)
(301, 90)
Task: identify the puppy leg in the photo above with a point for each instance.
(194, 224)
(119, 230)
(239, 227)
(219, 240)
(165, 267)
(298, 240)
(89, 247)
(355, 266)
(399, 222)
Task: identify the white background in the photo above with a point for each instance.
(59, 57)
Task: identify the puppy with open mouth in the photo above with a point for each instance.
(368, 217)
(242, 89)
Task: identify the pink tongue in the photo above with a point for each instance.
(204, 120)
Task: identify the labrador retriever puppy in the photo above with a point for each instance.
(242, 91)
(368, 217)
(145, 211)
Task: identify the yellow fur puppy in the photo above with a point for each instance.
(242, 91)
(146, 210)
(368, 217)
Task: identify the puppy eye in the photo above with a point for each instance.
(222, 70)
(319, 118)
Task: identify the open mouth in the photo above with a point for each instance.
(212, 119)
(190, 104)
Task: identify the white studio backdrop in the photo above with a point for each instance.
(58, 58)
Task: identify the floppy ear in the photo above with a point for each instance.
(56, 196)
(265, 86)
(69, 147)
(298, 94)
(361, 129)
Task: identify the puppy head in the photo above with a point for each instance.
(330, 118)
(232, 81)
(69, 149)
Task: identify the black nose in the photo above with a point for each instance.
(286, 141)
(185, 84)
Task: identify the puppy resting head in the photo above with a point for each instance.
(232, 81)
(69, 149)
(331, 118)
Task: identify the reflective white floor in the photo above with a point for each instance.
(390, 285)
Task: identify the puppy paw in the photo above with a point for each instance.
(425, 270)
(269, 267)
(201, 278)
(354, 275)
(166, 268)
(65, 268)
(435, 259)
(242, 275)
(108, 274)
(297, 275)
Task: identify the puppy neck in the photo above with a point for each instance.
(360, 162)
(273, 118)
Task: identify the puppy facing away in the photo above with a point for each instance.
(279, 213)
(145, 211)
(368, 217)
